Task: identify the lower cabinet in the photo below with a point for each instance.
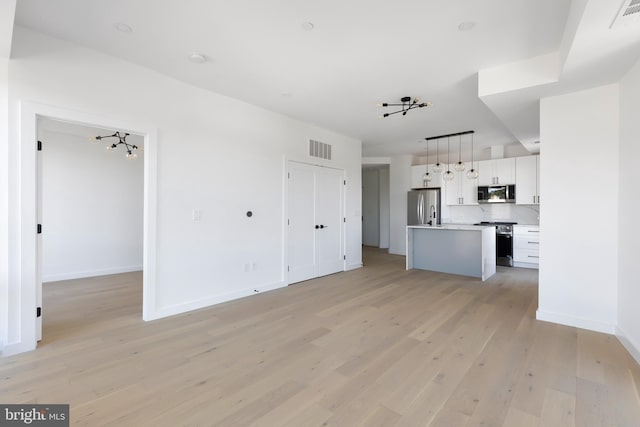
(526, 246)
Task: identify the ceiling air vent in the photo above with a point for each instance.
(320, 149)
(629, 14)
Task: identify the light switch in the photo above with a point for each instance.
(197, 214)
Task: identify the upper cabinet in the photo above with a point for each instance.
(528, 180)
(461, 190)
(417, 177)
(497, 172)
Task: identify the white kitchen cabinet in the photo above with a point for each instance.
(461, 190)
(417, 177)
(526, 246)
(497, 172)
(528, 180)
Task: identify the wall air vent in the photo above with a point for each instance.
(629, 14)
(319, 149)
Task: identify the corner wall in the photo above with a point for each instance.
(400, 184)
(629, 212)
(579, 217)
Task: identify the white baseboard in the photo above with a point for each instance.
(632, 348)
(352, 267)
(207, 302)
(15, 348)
(563, 319)
(90, 273)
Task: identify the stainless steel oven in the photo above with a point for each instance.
(504, 242)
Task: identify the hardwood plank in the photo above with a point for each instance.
(558, 410)
(374, 346)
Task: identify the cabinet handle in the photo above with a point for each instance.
(533, 231)
(534, 243)
(538, 199)
(462, 200)
(534, 200)
(533, 256)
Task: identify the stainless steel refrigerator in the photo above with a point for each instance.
(423, 207)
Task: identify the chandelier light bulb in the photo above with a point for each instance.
(448, 176)
(472, 174)
(426, 177)
(459, 166)
(438, 167)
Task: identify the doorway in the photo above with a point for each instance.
(375, 206)
(29, 281)
(90, 207)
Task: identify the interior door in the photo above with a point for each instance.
(330, 218)
(315, 239)
(302, 257)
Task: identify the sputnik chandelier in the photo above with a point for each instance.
(406, 104)
(122, 140)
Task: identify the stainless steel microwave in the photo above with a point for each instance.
(497, 194)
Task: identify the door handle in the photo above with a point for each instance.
(317, 226)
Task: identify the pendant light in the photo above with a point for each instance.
(448, 175)
(437, 168)
(459, 166)
(472, 173)
(426, 178)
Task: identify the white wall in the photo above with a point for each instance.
(4, 230)
(629, 212)
(400, 184)
(579, 217)
(92, 208)
(216, 154)
(384, 207)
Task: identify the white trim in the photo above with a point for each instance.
(211, 301)
(632, 348)
(27, 200)
(563, 319)
(91, 273)
(353, 267)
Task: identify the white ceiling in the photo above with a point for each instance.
(360, 52)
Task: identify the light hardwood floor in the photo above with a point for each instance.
(378, 346)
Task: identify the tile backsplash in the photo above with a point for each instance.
(521, 214)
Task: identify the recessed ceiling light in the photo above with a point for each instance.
(466, 26)
(197, 58)
(122, 27)
(307, 26)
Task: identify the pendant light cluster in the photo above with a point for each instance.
(459, 166)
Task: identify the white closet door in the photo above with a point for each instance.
(329, 214)
(315, 239)
(302, 263)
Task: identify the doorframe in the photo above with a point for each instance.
(285, 216)
(28, 203)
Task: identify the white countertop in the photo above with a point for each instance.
(454, 227)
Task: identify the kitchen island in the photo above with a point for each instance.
(467, 250)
